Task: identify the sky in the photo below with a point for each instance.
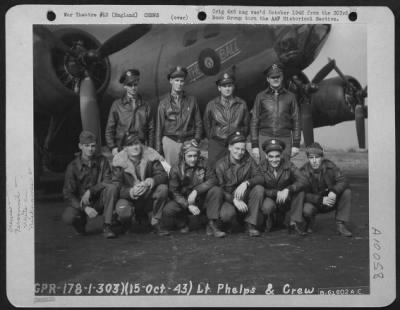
(347, 44)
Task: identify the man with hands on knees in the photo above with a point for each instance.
(327, 190)
(88, 188)
(284, 185)
(240, 178)
(143, 185)
(192, 185)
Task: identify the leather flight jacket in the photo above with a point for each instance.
(276, 114)
(123, 120)
(222, 120)
(287, 176)
(230, 175)
(179, 121)
(183, 179)
(81, 176)
(330, 178)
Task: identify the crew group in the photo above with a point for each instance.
(158, 172)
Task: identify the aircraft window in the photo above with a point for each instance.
(190, 38)
(211, 31)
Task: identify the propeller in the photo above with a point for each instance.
(324, 72)
(84, 60)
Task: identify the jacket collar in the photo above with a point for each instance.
(80, 162)
(139, 100)
(280, 90)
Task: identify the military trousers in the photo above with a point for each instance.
(254, 200)
(342, 207)
(150, 204)
(290, 211)
(103, 203)
(209, 203)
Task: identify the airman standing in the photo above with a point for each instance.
(275, 115)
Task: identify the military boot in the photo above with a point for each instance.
(213, 230)
(107, 231)
(294, 228)
(309, 224)
(159, 230)
(342, 230)
(252, 230)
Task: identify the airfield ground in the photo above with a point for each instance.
(322, 260)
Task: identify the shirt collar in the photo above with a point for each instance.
(125, 99)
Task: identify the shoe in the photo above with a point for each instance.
(252, 231)
(342, 230)
(107, 232)
(184, 229)
(293, 228)
(213, 230)
(268, 223)
(80, 229)
(309, 224)
(159, 230)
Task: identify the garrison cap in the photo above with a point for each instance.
(236, 137)
(315, 148)
(130, 76)
(87, 137)
(273, 145)
(176, 72)
(226, 78)
(274, 70)
(130, 139)
(190, 145)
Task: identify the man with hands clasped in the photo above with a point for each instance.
(192, 185)
(328, 190)
(142, 181)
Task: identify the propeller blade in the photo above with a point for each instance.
(307, 124)
(324, 71)
(122, 39)
(90, 114)
(49, 36)
(360, 125)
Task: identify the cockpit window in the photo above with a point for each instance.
(211, 31)
(190, 38)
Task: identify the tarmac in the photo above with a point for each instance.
(142, 263)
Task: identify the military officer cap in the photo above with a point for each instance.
(189, 146)
(87, 137)
(177, 72)
(226, 78)
(236, 137)
(273, 145)
(130, 139)
(274, 70)
(315, 148)
(130, 76)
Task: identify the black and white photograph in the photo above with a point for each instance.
(210, 159)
